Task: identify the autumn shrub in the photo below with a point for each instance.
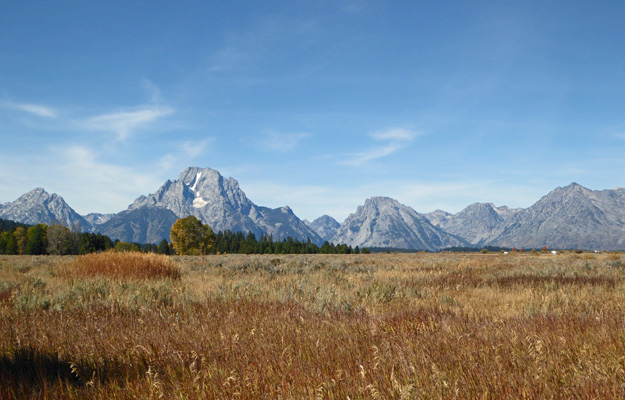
(123, 265)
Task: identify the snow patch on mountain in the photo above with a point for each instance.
(220, 203)
(197, 179)
(199, 202)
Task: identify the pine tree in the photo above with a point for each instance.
(163, 247)
(37, 239)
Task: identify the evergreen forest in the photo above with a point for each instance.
(42, 239)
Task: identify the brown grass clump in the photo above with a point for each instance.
(123, 265)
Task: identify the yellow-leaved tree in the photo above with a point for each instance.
(189, 236)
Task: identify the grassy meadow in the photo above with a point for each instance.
(379, 326)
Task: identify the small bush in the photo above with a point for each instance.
(124, 265)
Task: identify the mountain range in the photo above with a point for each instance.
(567, 217)
(479, 224)
(384, 222)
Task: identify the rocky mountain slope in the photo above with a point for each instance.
(438, 217)
(203, 193)
(325, 226)
(39, 206)
(142, 225)
(220, 203)
(97, 218)
(479, 224)
(384, 222)
(570, 217)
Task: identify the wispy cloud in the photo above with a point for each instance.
(453, 196)
(93, 184)
(390, 141)
(282, 142)
(35, 109)
(243, 52)
(79, 173)
(397, 134)
(187, 151)
(307, 201)
(310, 201)
(125, 123)
(229, 58)
(152, 90)
(193, 149)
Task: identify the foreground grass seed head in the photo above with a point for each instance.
(123, 265)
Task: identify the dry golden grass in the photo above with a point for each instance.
(410, 326)
(123, 266)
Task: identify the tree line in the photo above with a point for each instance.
(190, 236)
(240, 243)
(41, 239)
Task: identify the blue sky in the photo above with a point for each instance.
(316, 105)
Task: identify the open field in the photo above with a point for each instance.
(381, 326)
